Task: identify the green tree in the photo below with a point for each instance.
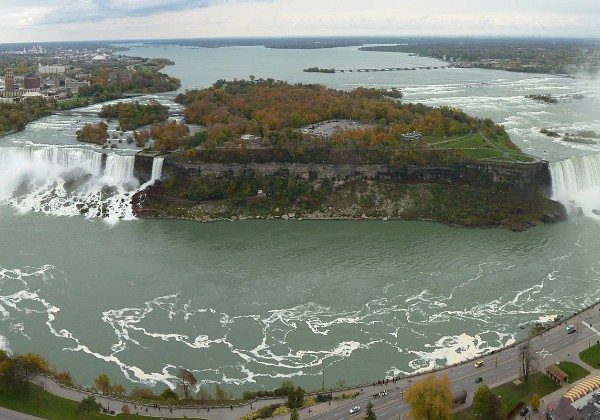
(185, 382)
(486, 404)
(169, 394)
(102, 383)
(370, 414)
(88, 405)
(117, 389)
(535, 402)
(294, 415)
(430, 398)
(295, 397)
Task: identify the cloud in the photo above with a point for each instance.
(71, 11)
(141, 19)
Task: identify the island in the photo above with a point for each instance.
(319, 70)
(270, 149)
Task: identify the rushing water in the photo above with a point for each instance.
(249, 304)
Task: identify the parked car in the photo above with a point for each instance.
(524, 411)
(478, 363)
(479, 379)
(355, 409)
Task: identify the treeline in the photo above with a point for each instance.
(133, 115)
(16, 371)
(411, 153)
(14, 116)
(521, 54)
(275, 110)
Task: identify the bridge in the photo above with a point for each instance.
(78, 112)
(391, 69)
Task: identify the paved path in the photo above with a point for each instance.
(6, 414)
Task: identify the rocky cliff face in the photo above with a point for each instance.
(526, 179)
(468, 194)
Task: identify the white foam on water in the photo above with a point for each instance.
(5, 345)
(70, 181)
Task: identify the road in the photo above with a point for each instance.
(499, 368)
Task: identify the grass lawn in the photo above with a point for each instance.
(43, 404)
(574, 371)
(512, 394)
(482, 153)
(591, 356)
(474, 146)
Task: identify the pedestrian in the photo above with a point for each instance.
(231, 406)
(251, 406)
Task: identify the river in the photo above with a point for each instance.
(252, 303)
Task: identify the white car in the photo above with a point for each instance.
(355, 409)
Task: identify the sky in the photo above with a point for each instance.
(76, 20)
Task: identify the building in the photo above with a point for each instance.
(51, 69)
(9, 80)
(75, 85)
(119, 76)
(31, 83)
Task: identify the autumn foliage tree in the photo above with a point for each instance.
(186, 381)
(430, 398)
(535, 402)
(93, 133)
(16, 371)
(169, 136)
(102, 383)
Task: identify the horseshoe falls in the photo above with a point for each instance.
(576, 184)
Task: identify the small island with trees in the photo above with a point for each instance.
(319, 70)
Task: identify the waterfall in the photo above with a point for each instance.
(157, 165)
(576, 184)
(119, 168)
(67, 181)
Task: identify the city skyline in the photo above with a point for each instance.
(72, 20)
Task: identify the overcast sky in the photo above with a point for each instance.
(72, 20)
